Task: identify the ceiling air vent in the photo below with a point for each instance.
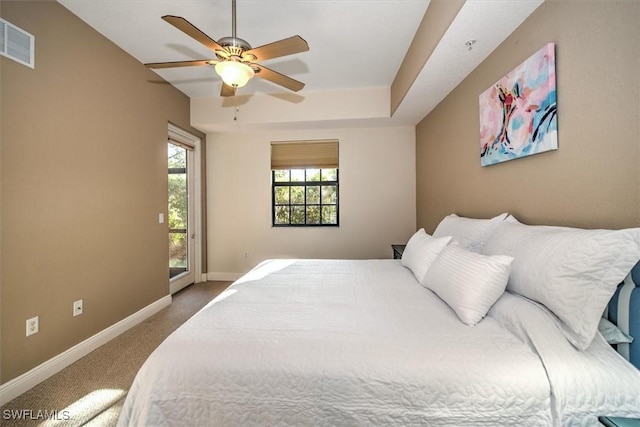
(17, 44)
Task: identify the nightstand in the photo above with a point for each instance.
(398, 250)
(619, 422)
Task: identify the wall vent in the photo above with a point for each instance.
(17, 44)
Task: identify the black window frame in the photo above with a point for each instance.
(275, 184)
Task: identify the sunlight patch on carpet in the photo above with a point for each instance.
(87, 407)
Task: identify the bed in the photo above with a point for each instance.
(455, 333)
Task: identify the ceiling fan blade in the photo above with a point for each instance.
(197, 62)
(227, 90)
(191, 30)
(284, 47)
(277, 78)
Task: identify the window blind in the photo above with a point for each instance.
(184, 145)
(321, 154)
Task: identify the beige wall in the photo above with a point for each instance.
(593, 180)
(326, 108)
(377, 198)
(84, 176)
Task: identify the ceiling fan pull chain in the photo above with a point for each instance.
(236, 108)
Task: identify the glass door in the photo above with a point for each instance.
(180, 217)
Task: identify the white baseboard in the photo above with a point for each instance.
(14, 388)
(227, 277)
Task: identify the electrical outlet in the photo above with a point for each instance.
(33, 326)
(77, 308)
(246, 255)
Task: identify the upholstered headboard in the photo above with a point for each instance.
(624, 311)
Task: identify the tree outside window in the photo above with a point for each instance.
(177, 212)
(305, 197)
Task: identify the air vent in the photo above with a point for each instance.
(17, 44)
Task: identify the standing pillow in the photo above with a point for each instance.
(421, 251)
(612, 333)
(469, 282)
(471, 233)
(573, 272)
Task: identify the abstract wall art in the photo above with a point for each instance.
(518, 115)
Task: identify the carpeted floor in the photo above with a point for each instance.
(92, 390)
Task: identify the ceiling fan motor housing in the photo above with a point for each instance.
(233, 43)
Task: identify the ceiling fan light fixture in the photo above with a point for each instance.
(234, 73)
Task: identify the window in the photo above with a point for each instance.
(178, 209)
(305, 197)
(304, 183)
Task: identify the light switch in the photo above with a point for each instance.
(160, 218)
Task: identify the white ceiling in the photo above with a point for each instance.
(353, 43)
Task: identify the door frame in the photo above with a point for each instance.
(181, 136)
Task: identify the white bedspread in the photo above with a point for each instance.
(584, 384)
(334, 342)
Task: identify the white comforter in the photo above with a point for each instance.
(320, 342)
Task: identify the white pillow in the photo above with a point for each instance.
(471, 233)
(469, 282)
(612, 333)
(573, 272)
(421, 251)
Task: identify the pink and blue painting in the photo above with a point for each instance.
(518, 114)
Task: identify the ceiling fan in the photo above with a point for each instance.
(235, 60)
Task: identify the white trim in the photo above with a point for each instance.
(224, 276)
(14, 388)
